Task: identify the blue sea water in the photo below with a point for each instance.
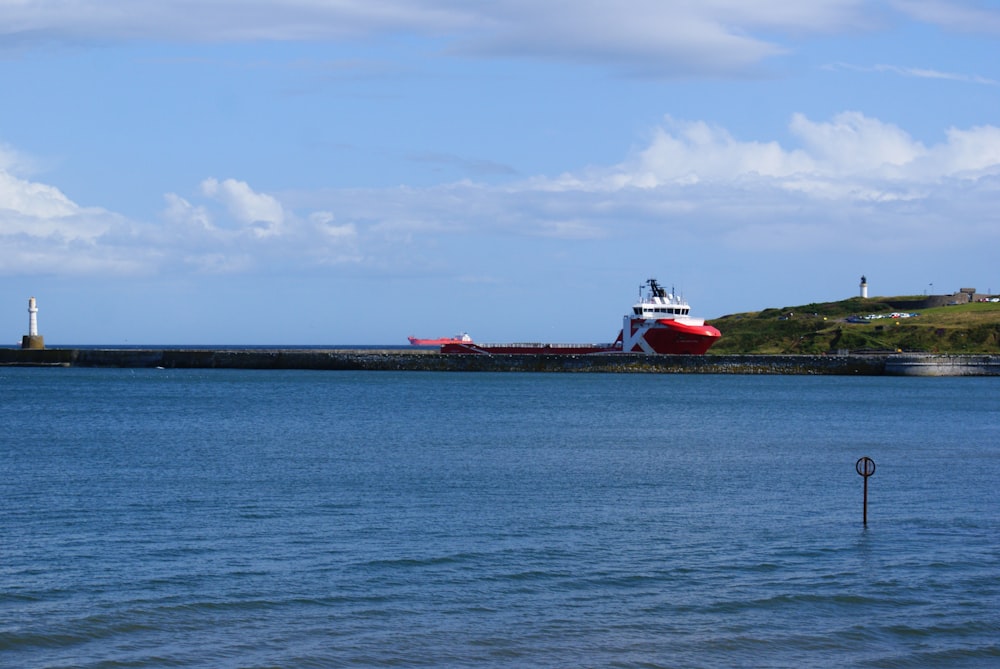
(229, 518)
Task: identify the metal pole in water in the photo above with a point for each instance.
(865, 467)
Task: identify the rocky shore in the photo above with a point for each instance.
(428, 360)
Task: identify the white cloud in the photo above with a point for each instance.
(968, 151)
(38, 222)
(640, 36)
(851, 150)
(220, 20)
(689, 152)
(33, 199)
(845, 178)
(182, 213)
(324, 222)
(15, 162)
(650, 37)
(961, 15)
(918, 73)
(924, 73)
(849, 178)
(852, 143)
(262, 212)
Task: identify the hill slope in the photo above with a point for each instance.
(824, 328)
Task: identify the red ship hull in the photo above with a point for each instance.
(440, 341)
(670, 337)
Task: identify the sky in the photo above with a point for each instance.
(309, 172)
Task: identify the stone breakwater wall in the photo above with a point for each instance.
(433, 361)
(333, 359)
(943, 365)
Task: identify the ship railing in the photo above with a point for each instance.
(546, 344)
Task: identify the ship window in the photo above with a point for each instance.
(637, 310)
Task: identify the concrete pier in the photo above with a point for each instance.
(943, 365)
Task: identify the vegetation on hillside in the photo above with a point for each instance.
(824, 328)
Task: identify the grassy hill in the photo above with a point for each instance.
(824, 328)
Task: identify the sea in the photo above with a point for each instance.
(265, 519)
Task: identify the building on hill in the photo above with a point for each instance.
(963, 296)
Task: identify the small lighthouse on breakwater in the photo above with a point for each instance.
(32, 340)
(864, 286)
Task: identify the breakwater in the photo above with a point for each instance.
(429, 360)
(426, 360)
(943, 365)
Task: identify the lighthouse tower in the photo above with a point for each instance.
(864, 286)
(32, 340)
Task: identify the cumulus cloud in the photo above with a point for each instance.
(262, 212)
(33, 199)
(968, 151)
(850, 148)
(689, 152)
(251, 230)
(852, 143)
(848, 173)
(180, 212)
(848, 178)
(326, 224)
(43, 231)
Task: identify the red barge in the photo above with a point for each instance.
(463, 338)
(660, 323)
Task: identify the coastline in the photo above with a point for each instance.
(892, 364)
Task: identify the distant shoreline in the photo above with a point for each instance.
(414, 359)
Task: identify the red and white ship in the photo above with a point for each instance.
(463, 338)
(660, 323)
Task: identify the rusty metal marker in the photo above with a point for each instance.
(865, 467)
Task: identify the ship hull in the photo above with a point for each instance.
(667, 337)
(441, 341)
(529, 349)
(639, 335)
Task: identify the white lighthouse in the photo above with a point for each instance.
(32, 317)
(32, 339)
(864, 286)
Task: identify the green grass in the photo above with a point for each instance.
(822, 328)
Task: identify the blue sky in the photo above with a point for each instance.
(352, 172)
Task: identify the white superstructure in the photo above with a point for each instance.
(658, 304)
